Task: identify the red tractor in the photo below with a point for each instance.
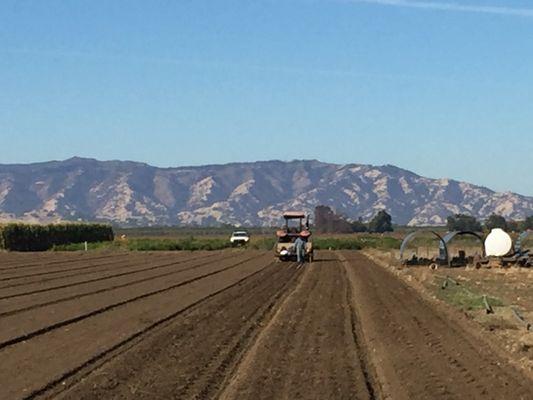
(293, 227)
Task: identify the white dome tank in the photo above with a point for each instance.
(498, 243)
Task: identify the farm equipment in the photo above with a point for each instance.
(293, 228)
(415, 259)
(496, 250)
(523, 256)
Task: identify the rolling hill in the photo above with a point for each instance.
(132, 194)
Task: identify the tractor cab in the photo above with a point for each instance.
(296, 224)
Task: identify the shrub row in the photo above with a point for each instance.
(114, 245)
(30, 237)
(192, 243)
(336, 244)
(358, 243)
(189, 244)
(380, 242)
(263, 244)
(158, 244)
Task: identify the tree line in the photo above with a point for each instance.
(33, 237)
(326, 221)
(464, 222)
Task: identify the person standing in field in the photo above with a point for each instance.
(299, 243)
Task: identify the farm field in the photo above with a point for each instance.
(232, 324)
(509, 292)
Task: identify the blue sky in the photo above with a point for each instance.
(441, 88)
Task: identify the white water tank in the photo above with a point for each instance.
(498, 243)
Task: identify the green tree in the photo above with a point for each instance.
(514, 226)
(359, 226)
(528, 223)
(463, 222)
(496, 221)
(382, 222)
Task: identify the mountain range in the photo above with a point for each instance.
(245, 194)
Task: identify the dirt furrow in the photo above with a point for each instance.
(11, 261)
(309, 350)
(15, 304)
(361, 350)
(26, 325)
(38, 282)
(95, 337)
(179, 362)
(72, 265)
(134, 265)
(418, 353)
(38, 275)
(17, 279)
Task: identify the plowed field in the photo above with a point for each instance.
(231, 325)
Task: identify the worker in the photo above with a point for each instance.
(299, 243)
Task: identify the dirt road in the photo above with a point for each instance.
(232, 325)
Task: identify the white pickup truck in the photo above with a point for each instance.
(239, 238)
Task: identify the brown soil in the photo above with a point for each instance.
(508, 290)
(418, 352)
(232, 325)
(312, 346)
